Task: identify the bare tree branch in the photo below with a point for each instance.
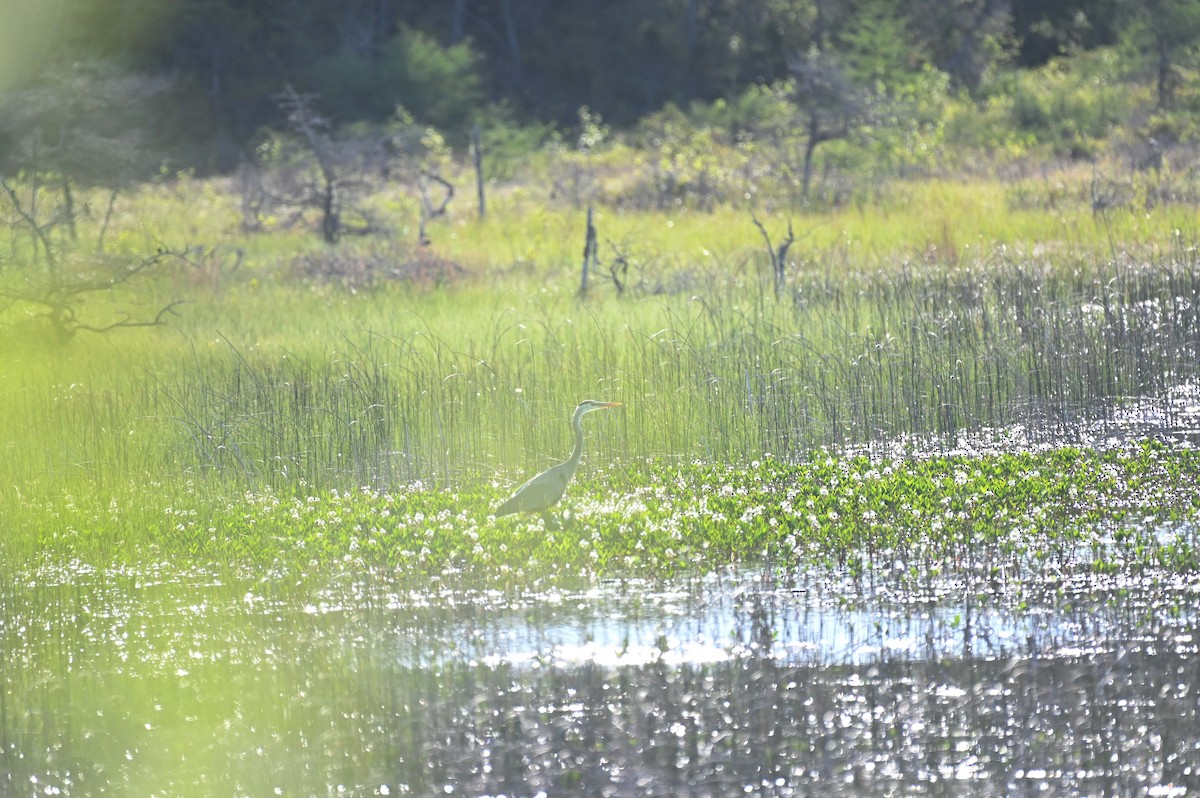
(39, 231)
(129, 321)
(778, 255)
(61, 296)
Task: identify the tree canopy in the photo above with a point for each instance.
(541, 60)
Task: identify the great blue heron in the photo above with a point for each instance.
(544, 491)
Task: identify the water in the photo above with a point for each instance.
(168, 681)
(1172, 417)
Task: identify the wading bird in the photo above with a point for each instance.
(544, 491)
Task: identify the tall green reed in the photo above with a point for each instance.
(306, 389)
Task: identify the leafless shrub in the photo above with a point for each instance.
(361, 268)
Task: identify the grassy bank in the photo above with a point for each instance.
(1012, 522)
(946, 309)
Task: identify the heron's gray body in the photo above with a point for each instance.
(547, 488)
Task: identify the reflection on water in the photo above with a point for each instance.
(163, 682)
(1172, 416)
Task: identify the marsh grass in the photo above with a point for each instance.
(479, 389)
(914, 321)
(1011, 525)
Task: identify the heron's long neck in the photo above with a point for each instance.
(577, 422)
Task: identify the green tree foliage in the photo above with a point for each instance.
(878, 50)
(967, 39)
(437, 84)
(866, 66)
(865, 79)
(1043, 31)
(1166, 35)
(87, 122)
(1070, 104)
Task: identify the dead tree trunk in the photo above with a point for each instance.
(69, 208)
(589, 253)
(817, 135)
(778, 255)
(428, 209)
(477, 156)
(810, 147)
(1163, 82)
(331, 223)
(39, 232)
(312, 126)
(108, 213)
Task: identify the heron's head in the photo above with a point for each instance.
(588, 405)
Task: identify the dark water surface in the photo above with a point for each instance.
(763, 682)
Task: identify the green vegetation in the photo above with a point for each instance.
(368, 402)
(900, 301)
(815, 101)
(336, 320)
(881, 79)
(1012, 519)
